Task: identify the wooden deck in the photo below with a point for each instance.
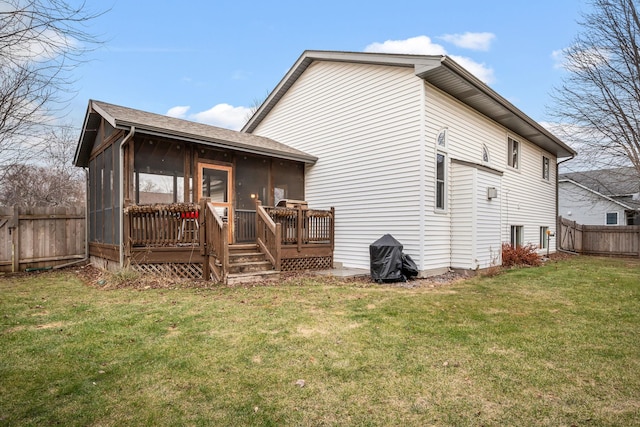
(193, 240)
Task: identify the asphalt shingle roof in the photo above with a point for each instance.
(145, 122)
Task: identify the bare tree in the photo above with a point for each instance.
(599, 101)
(54, 182)
(41, 41)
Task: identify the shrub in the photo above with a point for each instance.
(519, 255)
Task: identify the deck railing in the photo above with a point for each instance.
(290, 238)
(304, 226)
(215, 239)
(268, 235)
(162, 225)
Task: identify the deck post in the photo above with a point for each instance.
(202, 230)
(258, 233)
(126, 235)
(299, 229)
(278, 253)
(333, 229)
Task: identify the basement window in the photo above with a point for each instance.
(517, 235)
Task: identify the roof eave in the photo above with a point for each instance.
(523, 125)
(427, 68)
(212, 142)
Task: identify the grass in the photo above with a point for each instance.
(554, 345)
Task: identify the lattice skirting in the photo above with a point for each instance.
(311, 263)
(183, 271)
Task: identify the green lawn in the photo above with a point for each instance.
(555, 345)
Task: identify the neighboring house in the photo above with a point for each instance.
(600, 197)
(417, 147)
(148, 173)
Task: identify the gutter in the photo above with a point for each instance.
(132, 132)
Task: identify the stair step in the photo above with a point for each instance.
(250, 267)
(241, 257)
(240, 278)
(243, 247)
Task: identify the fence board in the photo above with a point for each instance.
(40, 237)
(618, 240)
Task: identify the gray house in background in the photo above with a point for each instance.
(600, 197)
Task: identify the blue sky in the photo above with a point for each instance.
(210, 61)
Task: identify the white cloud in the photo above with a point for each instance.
(481, 71)
(573, 59)
(179, 111)
(559, 59)
(223, 115)
(422, 45)
(473, 41)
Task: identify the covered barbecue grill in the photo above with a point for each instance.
(388, 263)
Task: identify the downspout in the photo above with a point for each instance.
(132, 132)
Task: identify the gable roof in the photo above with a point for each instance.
(158, 125)
(626, 203)
(440, 71)
(611, 182)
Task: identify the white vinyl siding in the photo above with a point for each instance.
(475, 219)
(374, 130)
(463, 217)
(585, 207)
(524, 198)
(488, 220)
(363, 124)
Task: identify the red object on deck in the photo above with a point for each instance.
(189, 215)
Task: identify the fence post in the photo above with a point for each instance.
(15, 240)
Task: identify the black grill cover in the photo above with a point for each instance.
(385, 255)
(409, 267)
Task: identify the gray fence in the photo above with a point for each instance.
(618, 240)
(32, 238)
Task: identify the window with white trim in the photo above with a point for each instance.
(441, 170)
(612, 218)
(545, 168)
(485, 154)
(440, 181)
(514, 153)
(517, 235)
(442, 138)
(544, 237)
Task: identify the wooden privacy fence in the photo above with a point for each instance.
(41, 237)
(619, 240)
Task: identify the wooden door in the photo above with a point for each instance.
(216, 183)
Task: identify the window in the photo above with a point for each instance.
(485, 154)
(514, 153)
(544, 237)
(442, 138)
(545, 168)
(441, 173)
(158, 172)
(612, 218)
(440, 181)
(517, 232)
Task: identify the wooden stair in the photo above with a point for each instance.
(248, 265)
